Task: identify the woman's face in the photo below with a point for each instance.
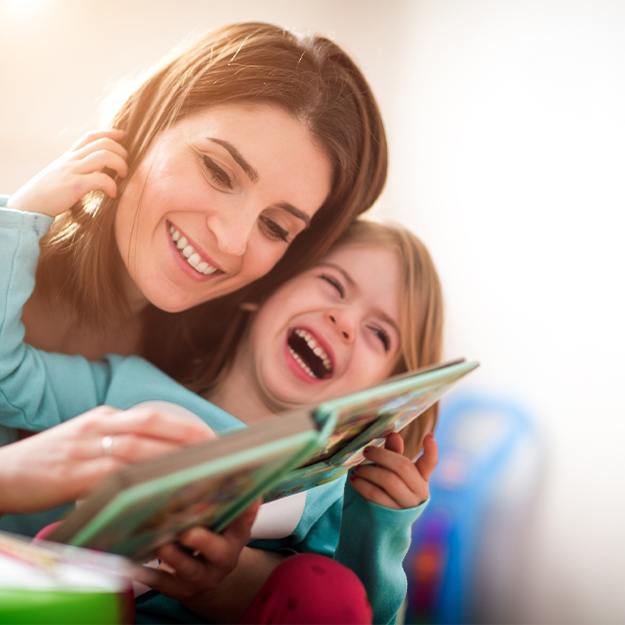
(332, 330)
(216, 201)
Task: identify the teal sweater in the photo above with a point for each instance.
(40, 389)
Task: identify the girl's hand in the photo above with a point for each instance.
(65, 462)
(186, 577)
(395, 481)
(63, 182)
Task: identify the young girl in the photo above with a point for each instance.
(330, 330)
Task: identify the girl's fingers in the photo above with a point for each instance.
(104, 143)
(98, 160)
(109, 133)
(165, 583)
(373, 493)
(392, 484)
(394, 442)
(427, 461)
(186, 566)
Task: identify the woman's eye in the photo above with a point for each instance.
(217, 174)
(335, 283)
(274, 230)
(382, 336)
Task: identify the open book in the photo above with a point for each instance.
(148, 504)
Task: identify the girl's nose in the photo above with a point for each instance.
(342, 325)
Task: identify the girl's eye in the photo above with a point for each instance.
(335, 283)
(273, 230)
(217, 174)
(382, 336)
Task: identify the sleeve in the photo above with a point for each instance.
(37, 389)
(373, 542)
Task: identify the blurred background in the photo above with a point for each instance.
(507, 141)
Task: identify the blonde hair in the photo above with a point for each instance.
(311, 78)
(421, 309)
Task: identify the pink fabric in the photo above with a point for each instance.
(44, 532)
(307, 589)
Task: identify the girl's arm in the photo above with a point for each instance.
(382, 501)
(369, 528)
(37, 389)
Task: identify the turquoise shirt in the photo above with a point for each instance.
(40, 389)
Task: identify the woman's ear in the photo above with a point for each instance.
(249, 306)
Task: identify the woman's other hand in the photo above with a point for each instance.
(87, 166)
(394, 480)
(65, 462)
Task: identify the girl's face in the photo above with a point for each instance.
(332, 330)
(216, 201)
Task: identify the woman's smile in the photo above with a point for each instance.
(190, 256)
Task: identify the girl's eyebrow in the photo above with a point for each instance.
(252, 174)
(350, 281)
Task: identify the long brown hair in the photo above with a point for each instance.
(310, 77)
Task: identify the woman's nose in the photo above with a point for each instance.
(232, 230)
(342, 325)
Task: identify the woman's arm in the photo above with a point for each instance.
(37, 389)
(65, 462)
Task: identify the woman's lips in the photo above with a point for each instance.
(189, 257)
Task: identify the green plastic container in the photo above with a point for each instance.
(57, 607)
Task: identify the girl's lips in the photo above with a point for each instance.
(296, 368)
(322, 342)
(294, 365)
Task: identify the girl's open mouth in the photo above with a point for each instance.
(309, 354)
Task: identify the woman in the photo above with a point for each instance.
(109, 277)
(251, 138)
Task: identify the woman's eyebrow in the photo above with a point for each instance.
(252, 174)
(296, 212)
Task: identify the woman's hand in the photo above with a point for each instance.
(393, 480)
(63, 182)
(187, 577)
(64, 462)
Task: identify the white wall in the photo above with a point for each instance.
(507, 141)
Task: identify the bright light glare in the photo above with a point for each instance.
(21, 7)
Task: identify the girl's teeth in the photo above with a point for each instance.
(315, 347)
(189, 254)
(302, 364)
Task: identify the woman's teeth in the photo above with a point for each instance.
(189, 254)
(315, 347)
